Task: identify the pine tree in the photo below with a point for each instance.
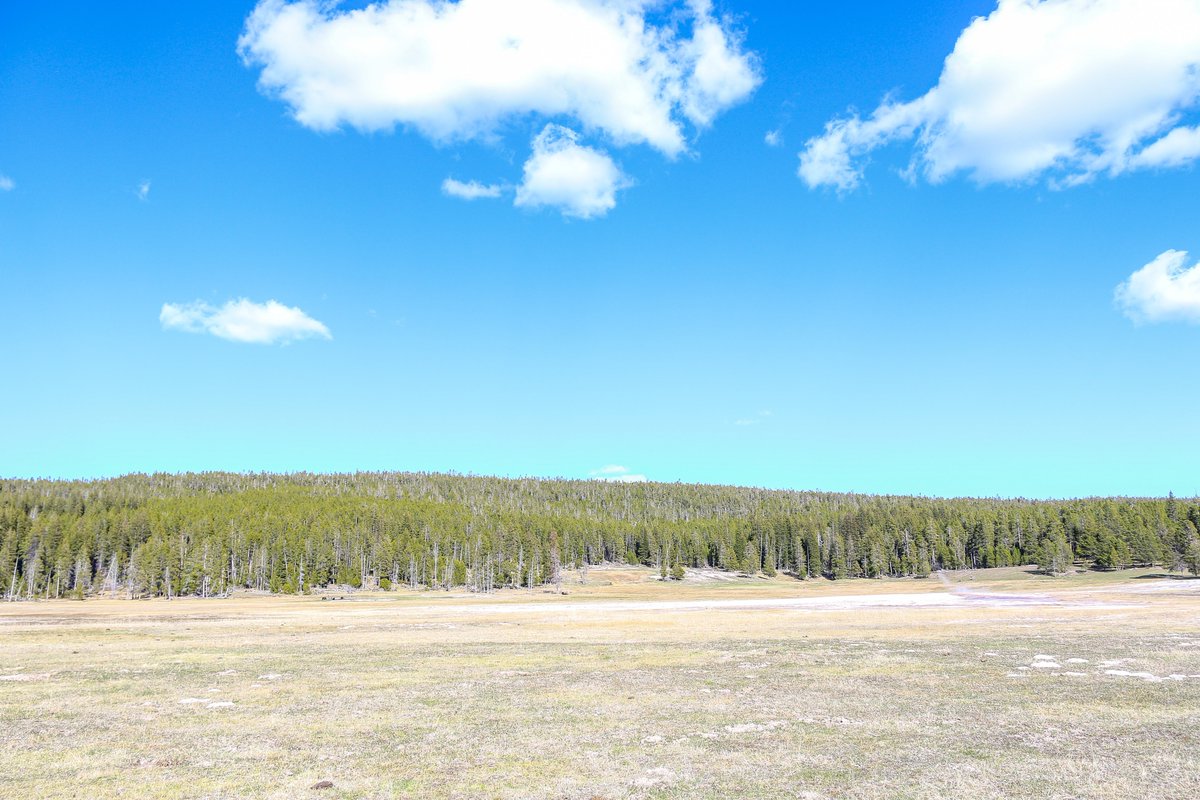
(1192, 557)
(812, 554)
(838, 567)
(1055, 551)
(8, 564)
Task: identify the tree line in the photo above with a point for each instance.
(207, 534)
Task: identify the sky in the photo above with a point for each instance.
(834, 246)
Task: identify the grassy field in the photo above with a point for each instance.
(994, 683)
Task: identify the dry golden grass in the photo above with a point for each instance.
(626, 688)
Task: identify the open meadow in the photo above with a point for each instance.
(992, 683)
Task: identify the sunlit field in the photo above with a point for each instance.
(999, 683)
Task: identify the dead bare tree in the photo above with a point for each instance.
(555, 563)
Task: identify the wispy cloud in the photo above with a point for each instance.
(615, 473)
(757, 419)
(243, 321)
(7, 184)
(774, 138)
(1165, 290)
(1126, 74)
(1179, 147)
(470, 190)
(143, 190)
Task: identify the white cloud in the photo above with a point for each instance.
(755, 420)
(630, 478)
(143, 190)
(457, 70)
(774, 138)
(1179, 147)
(1164, 290)
(470, 190)
(614, 473)
(243, 321)
(7, 184)
(721, 75)
(1063, 89)
(631, 71)
(561, 173)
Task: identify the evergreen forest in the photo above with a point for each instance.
(209, 534)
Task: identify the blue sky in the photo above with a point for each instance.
(719, 318)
